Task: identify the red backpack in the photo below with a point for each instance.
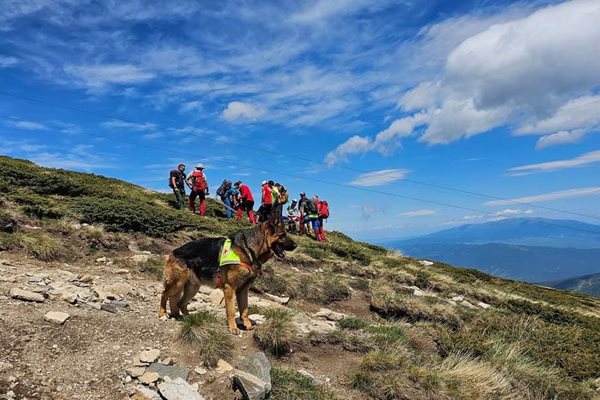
(323, 209)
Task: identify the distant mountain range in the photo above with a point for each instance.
(529, 249)
(588, 284)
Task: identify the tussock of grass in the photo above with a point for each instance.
(272, 282)
(44, 248)
(356, 342)
(323, 288)
(289, 384)
(393, 304)
(275, 335)
(352, 323)
(154, 266)
(204, 333)
(10, 241)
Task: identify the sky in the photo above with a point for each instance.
(407, 116)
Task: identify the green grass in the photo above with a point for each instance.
(276, 334)
(204, 334)
(289, 384)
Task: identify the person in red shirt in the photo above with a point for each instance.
(246, 202)
(266, 204)
(196, 180)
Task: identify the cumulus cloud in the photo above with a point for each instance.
(240, 111)
(355, 145)
(591, 157)
(418, 213)
(563, 194)
(378, 178)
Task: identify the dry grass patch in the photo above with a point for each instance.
(277, 333)
(289, 384)
(205, 334)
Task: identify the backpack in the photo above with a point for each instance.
(284, 195)
(311, 208)
(198, 180)
(223, 188)
(324, 209)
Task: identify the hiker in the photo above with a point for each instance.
(311, 215)
(246, 201)
(323, 212)
(283, 196)
(292, 216)
(196, 180)
(301, 224)
(227, 194)
(177, 184)
(274, 194)
(266, 204)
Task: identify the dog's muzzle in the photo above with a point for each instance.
(280, 247)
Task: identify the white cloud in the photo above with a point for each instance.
(98, 77)
(133, 126)
(6, 61)
(511, 212)
(563, 194)
(592, 157)
(27, 125)
(355, 145)
(240, 111)
(378, 178)
(558, 138)
(418, 213)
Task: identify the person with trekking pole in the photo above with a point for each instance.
(177, 184)
(197, 182)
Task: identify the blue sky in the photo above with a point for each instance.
(347, 99)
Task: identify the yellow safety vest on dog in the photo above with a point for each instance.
(228, 256)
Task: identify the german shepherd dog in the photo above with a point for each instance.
(197, 262)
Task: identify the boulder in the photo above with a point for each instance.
(26, 295)
(325, 313)
(252, 376)
(171, 371)
(57, 317)
(179, 389)
(458, 298)
(308, 375)
(223, 366)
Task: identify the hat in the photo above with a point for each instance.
(294, 201)
(264, 183)
(302, 194)
(199, 166)
(237, 183)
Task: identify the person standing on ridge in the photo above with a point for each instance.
(225, 192)
(197, 182)
(246, 201)
(177, 183)
(274, 194)
(266, 204)
(311, 215)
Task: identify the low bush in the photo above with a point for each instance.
(289, 384)
(204, 334)
(275, 335)
(44, 248)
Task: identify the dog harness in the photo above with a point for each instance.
(229, 257)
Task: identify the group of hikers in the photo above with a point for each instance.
(303, 215)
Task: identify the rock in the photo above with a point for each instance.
(8, 224)
(418, 293)
(252, 376)
(140, 258)
(178, 390)
(259, 319)
(171, 371)
(330, 315)
(281, 300)
(223, 366)
(135, 372)
(69, 297)
(113, 292)
(205, 289)
(200, 371)
(143, 393)
(458, 298)
(119, 303)
(109, 308)
(122, 271)
(425, 263)
(216, 296)
(308, 375)
(86, 279)
(468, 305)
(483, 305)
(57, 317)
(5, 366)
(35, 279)
(26, 295)
(149, 356)
(102, 260)
(149, 377)
(306, 325)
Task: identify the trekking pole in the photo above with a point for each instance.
(226, 206)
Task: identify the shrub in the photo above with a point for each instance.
(275, 335)
(204, 334)
(289, 384)
(352, 323)
(10, 241)
(422, 279)
(44, 248)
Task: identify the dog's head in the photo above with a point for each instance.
(276, 235)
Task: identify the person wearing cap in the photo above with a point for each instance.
(177, 184)
(266, 204)
(196, 180)
(246, 203)
(311, 215)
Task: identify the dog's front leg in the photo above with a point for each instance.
(242, 300)
(229, 293)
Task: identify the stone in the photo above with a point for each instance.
(330, 315)
(119, 303)
(140, 258)
(179, 389)
(143, 393)
(109, 308)
(205, 289)
(26, 295)
(149, 377)
(418, 293)
(252, 376)
(216, 296)
(35, 279)
(483, 305)
(135, 372)
(306, 325)
(223, 366)
(308, 375)
(69, 297)
(259, 319)
(102, 260)
(86, 279)
(57, 317)
(281, 300)
(200, 371)
(172, 371)
(458, 298)
(468, 305)
(122, 271)
(149, 356)
(425, 263)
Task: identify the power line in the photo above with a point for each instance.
(442, 204)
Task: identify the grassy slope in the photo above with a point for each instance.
(533, 343)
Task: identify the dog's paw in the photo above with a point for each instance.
(249, 327)
(234, 330)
